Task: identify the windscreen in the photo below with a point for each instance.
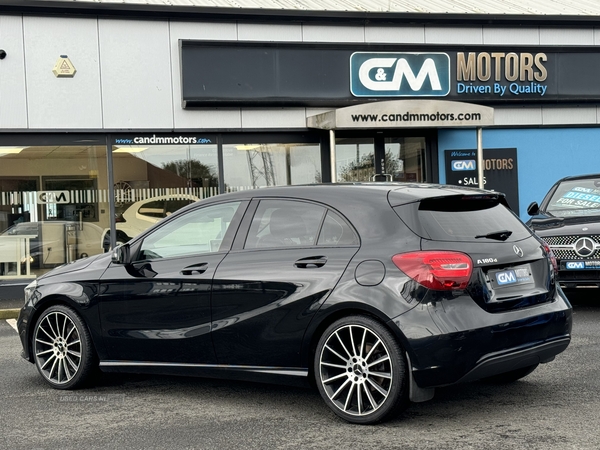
(466, 219)
(576, 198)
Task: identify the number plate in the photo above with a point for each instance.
(511, 277)
(580, 265)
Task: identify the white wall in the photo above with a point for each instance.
(13, 106)
(128, 72)
(62, 103)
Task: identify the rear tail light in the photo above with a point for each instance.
(439, 270)
(551, 256)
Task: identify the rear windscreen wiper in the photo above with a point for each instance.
(501, 235)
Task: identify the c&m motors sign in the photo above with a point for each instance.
(399, 74)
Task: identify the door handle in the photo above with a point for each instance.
(195, 269)
(311, 262)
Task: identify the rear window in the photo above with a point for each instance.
(576, 198)
(463, 218)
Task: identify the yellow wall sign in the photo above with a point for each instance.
(64, 67)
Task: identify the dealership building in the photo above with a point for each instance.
(115, 114)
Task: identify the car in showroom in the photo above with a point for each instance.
(568, 220)
(375, 293)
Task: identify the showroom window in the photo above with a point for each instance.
(54, 206)
(253, 165)
(153, 181)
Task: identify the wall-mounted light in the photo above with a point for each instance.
(11, 150)
(129, 149)
(247, 146)
(2, 54)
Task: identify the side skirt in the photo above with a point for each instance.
(280, 375)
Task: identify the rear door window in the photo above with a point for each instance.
(463, 218)
(336, 231)
(284, 223)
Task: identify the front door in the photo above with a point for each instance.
(157, 309)
(382, 158)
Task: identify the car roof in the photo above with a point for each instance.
(580, 177)
(399, 193)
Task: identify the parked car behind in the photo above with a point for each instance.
(47, 244)
(568, 219)
(376, 293)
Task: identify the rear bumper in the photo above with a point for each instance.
(516, 358)
(454, 340)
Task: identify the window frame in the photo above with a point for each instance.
(226, 243)
(246, 223)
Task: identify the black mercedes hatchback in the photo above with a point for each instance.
(375, 293)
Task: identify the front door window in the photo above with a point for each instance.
(405, 159)
(364, 159)
(355, 159)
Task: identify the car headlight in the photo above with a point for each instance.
(29, 290)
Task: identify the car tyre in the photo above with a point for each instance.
(512, 376)
(360, 371)
(62, 348)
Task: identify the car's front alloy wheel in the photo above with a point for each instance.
(62, 348)
(360, 371)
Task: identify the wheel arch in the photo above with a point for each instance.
(325, 321)
(41, 307)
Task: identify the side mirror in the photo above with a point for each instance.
(533, 209)
(120, 254)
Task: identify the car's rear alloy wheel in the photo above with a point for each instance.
(62, 348)
(360, 370)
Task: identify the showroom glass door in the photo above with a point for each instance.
(381, 158)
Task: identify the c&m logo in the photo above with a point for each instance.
(507, 277)
(399, 74)
(575, 265)
(53, 197)
(461, 164)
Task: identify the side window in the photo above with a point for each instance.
(153, 209)
(199, 231)
(284, 223)
(173, 205)
(336, 231)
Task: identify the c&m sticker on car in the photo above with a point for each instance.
(520, 275)
(582, 265)
(506, 277)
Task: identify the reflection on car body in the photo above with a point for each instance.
(377, 293)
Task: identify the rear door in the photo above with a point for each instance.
(272, 282)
